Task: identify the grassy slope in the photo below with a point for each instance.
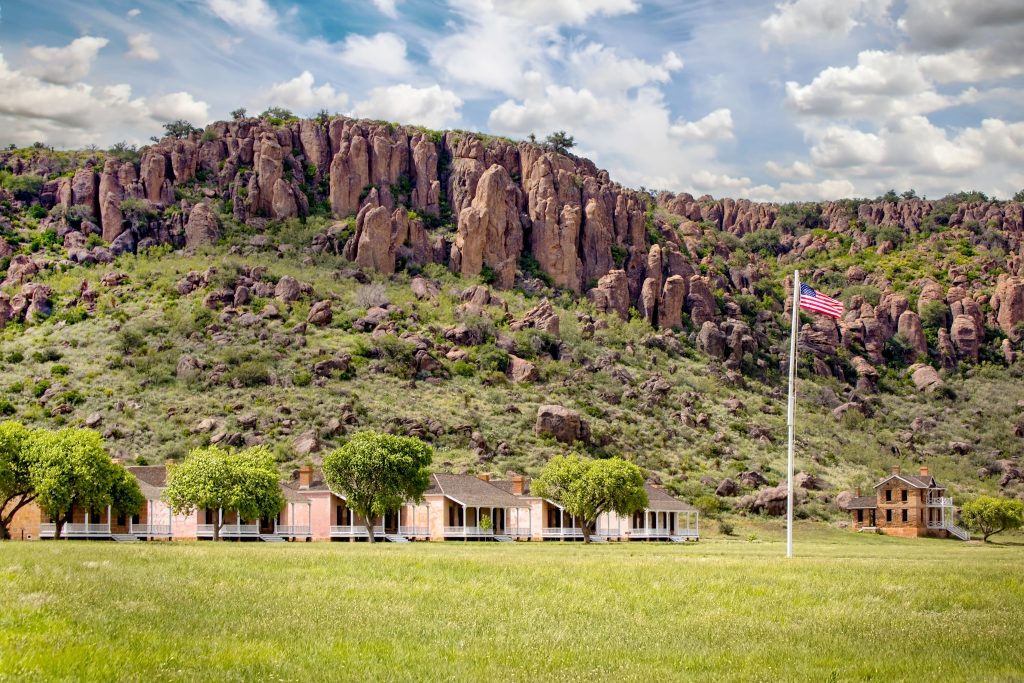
(157, 409)
(850, 607)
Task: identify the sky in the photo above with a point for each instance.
(773, 101)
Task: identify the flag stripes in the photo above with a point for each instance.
(819, 303)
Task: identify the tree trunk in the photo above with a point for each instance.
(370, 523)
(5, 520)
(585, 528)
(4, 533)
(59, 522)
(216, 531)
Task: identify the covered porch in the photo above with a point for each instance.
(84, 524)
(232, 527)
(665, 525)
(485, 522)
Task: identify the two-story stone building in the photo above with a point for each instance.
(907, 505)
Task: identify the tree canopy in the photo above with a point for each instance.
(213, 478)
(15, 472)
(560, 142)
(377, 473)
(989, 515)
(180, 128)
(70, 467)
(589, 488)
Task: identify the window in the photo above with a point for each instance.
(121, 520)
(860, 515)
(888, 515)
(903, 496)
(888, 495)
(905, 516)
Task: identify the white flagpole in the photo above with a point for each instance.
(789, 418)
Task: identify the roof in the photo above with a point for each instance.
(153, 475)
(506, 485)
(863, 503)
(471, 492)
(659, 499)
(918, 482)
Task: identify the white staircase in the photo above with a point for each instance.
(958, 532)
(125, 538)
(271, 538)
(395, 538)
(504, 539)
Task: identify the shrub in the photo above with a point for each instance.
(372, 295)
(767, 242)
(249, 374)
(40, 387)
(933, 315)
(45, 356)
(180, 129)
(726, 528)
(6, 407)
(72, 397)
(59, 370)
(488, 275)
(75, 314)
(463, 369)
(302, 378)
(130, 340)
(23, 186)
(490, 358)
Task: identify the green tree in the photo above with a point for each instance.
(1019, 197)
(377, 473)
(180, 128)
(16, 489)
(560, 142)
(71, 468)
(989, 515)
(588, 488)
(213, 478)
(238, 114)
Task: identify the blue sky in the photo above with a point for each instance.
(798, 99)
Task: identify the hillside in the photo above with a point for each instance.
(288, 282)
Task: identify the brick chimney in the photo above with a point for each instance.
(895, 469)
(924, 471)
(858, 492)
(305, 477)
(518, 484)
(483, 476)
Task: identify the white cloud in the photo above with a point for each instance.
(303, 95)
(383, 53)
(80, 114)
(799, 20)
(179, 105)
(432, 106)
(134, 12)
(601, 69)
(65, 64)
(715, 126)
(797, 169)
(844, 147)
(882, 85)
(571, 12)
(247, 14)
(387, 8)
(142, 47)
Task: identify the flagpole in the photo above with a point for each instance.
(789, 416)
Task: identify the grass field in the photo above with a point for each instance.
(849, 608)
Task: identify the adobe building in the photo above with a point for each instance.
(907, 505)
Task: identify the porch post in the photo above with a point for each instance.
(86, 520)
(465, 521)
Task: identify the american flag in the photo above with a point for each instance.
(819, 303)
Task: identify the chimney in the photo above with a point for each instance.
(518, 483)
(924, 471)
(858, 492)
(895, 469)
(483, 477)
(305, 477)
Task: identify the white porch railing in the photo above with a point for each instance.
(561, 532)
(149, 529)
(229, 530)
(291, 530)
(517, 532)
(940, 502)
(686, 533)
(414, 531)
(75, 530)
(354, 531)
(654, 533)
(473, 531)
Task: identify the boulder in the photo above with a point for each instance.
(288, 289)
(809, 482)
(188, 367)
(564, 424)
(320, 314)
(339, 364)
(727, 487)
(612, 294)
(673, 296)
(520, 370)
(700, 302)
(843, 500)
(966, 337)
(540, 317)
(1008, 302)
(711, 340)
(202, 227)
(909, 326)
(423, 288)
(925, 377)
(753, 479)
(306, 443)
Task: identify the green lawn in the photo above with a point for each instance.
(849, 608)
